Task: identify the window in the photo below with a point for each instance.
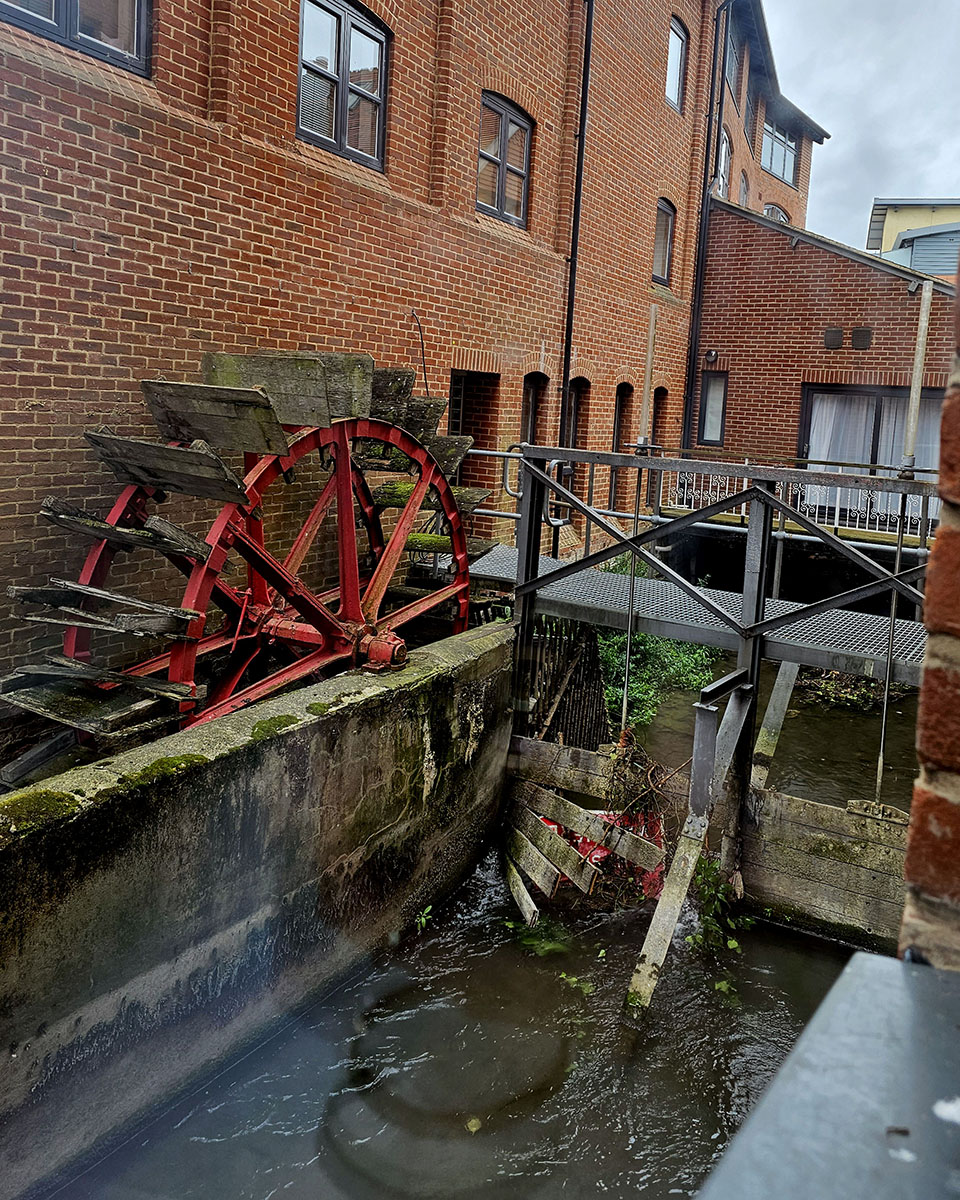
(733, 62)
(723, 166)
(713, 408)
(503, 170)
(677, 64)
(342, 81)
(779, 154)
(663, 242)
(534, 395)
(114, 30)
(777, 213)
(744, 190)
(622, 429)
(750, 116)
(862, 431)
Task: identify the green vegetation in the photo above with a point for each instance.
(658, 665)
(546, 937)
(716, 904)
(271, 725)
(32, 809)
(423, 916)
(160, 768)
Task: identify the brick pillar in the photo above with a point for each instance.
(931, 916)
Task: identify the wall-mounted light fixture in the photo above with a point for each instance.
(710, 356)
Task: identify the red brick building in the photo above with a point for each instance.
(188, 176)
(806, 347)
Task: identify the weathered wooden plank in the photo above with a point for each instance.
(230, 418)
(543, 873)
(34, 757)
(448, 451)
(769, 735)
(60, 667)
(305, 388)
(841, 848)
(156, 534)
(800, 898)
(888, 830)
(616, 839)
(794, 862)
(390, 392)
(523, 899)
(660, 933)
(195, 470)
(566, 767)
(72, 704)
(396, 494)
(70, 588)
(553, 847)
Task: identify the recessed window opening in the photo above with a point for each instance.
(744, 198)
(677, 64)
(117, 31)
(534, 396)
(777, 213)
(341, 104)
(723, 166)
(713, 408)
(503, 167)
(663, 241)
(622, 432)
(779, 152)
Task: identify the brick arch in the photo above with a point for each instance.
(538, 364)
(585, 368)
(495, 79)
(386, 11)
(626, 376)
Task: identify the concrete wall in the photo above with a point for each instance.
(158, 907)
(829, 870)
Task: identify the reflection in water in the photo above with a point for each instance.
(824, 754)
(463, 1066)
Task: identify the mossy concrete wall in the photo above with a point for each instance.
(825, 869)
(158, 907)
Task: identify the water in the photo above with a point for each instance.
(465, 1067)
(824, 754)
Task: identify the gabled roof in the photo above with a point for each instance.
(884, 265)
(909, 235)
(878, 214)
(751, 20)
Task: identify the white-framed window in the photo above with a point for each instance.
(744, 199)
(713, 408)
(779, 153)
(723, 165)
(677, 63)
(663, 241)
(776, 213)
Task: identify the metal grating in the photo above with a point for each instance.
(838, 639)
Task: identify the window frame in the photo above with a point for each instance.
(735, 56)
(664, 206)
(779, 135)
(743, 198)
(507, 112)
(678, 28)
(347, 16)
(64, 29)
(781, 215)
(723, 178)
(706, 376)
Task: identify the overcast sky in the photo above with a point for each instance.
(881, 76)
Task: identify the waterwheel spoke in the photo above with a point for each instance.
(297, 596)
(308, 534)
(241, 657)
(422, 604)
(387, 566)
(346, 528)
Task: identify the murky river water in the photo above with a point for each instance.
(464, 1066)
(824, 754)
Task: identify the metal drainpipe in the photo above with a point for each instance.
(700, 264)
(564, 432)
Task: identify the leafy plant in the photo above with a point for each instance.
(423, 916)
(834, 689)
(719, 919)
(584, 986)
(547, 936)
(658, 665)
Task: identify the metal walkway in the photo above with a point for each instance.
(839, 639)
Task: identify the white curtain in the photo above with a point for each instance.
(893, 422)
(841, 431)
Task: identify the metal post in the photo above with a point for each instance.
(916, 380)
(533, 495)
(643, 434)
(891, 633)
(631, 593)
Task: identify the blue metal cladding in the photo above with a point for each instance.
(937, 253)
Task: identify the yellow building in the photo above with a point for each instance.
(923, 234)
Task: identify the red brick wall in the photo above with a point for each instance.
(766, 305)
(931, 921)
(148, 221)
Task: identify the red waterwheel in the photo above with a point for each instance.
(250, 642)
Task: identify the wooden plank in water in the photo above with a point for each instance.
(616, 839)
(524, 901)
(552, 846)
(230, 418)
(195, 470)
(543, 873)
(660, 933)
(156, 534)
(566, 767)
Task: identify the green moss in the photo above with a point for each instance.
(851, 852)
(271, 725)
(32, 809)
(319, 709)
(161, 768)
(429, 543)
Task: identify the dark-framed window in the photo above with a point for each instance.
(779, 153)
(733, 61)
(750, 116)
(663, 241)
(117, 31)
(777, 213)
(341, 102)
(503, 165)
(713, 408)
(744, 199)
(677, 63)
